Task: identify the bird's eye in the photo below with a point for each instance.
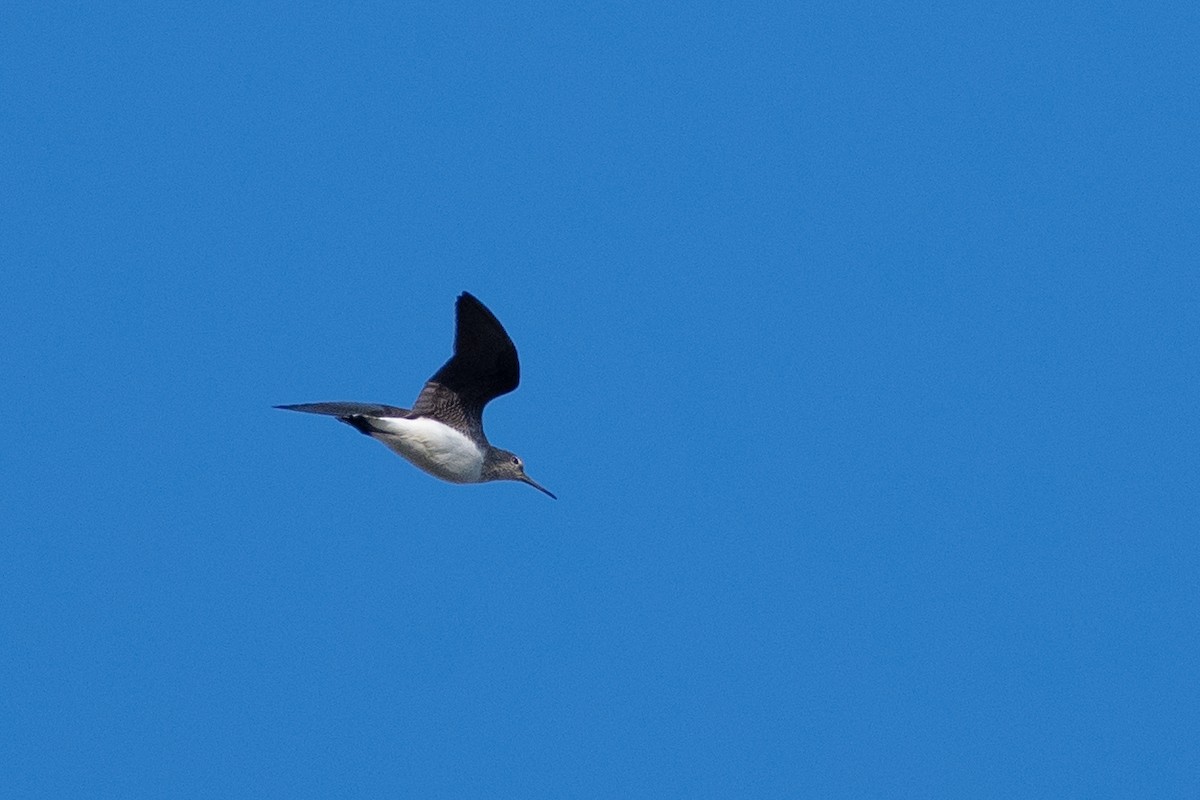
(516, 461)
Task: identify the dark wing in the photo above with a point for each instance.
(484, 366)
(349, 409)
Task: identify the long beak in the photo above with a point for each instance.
(536, 485)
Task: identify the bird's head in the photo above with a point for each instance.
(501, 465)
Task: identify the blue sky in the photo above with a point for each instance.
(859, 343)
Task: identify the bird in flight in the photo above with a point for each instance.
(443, 432)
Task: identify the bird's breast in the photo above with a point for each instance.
(432, 446)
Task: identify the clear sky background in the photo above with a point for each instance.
(859, 343)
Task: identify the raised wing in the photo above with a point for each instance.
(484, 366)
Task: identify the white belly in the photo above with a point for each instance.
(436, 448)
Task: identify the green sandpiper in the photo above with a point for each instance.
(443, 432)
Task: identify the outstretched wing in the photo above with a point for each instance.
(349, 409)
(484, 366)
